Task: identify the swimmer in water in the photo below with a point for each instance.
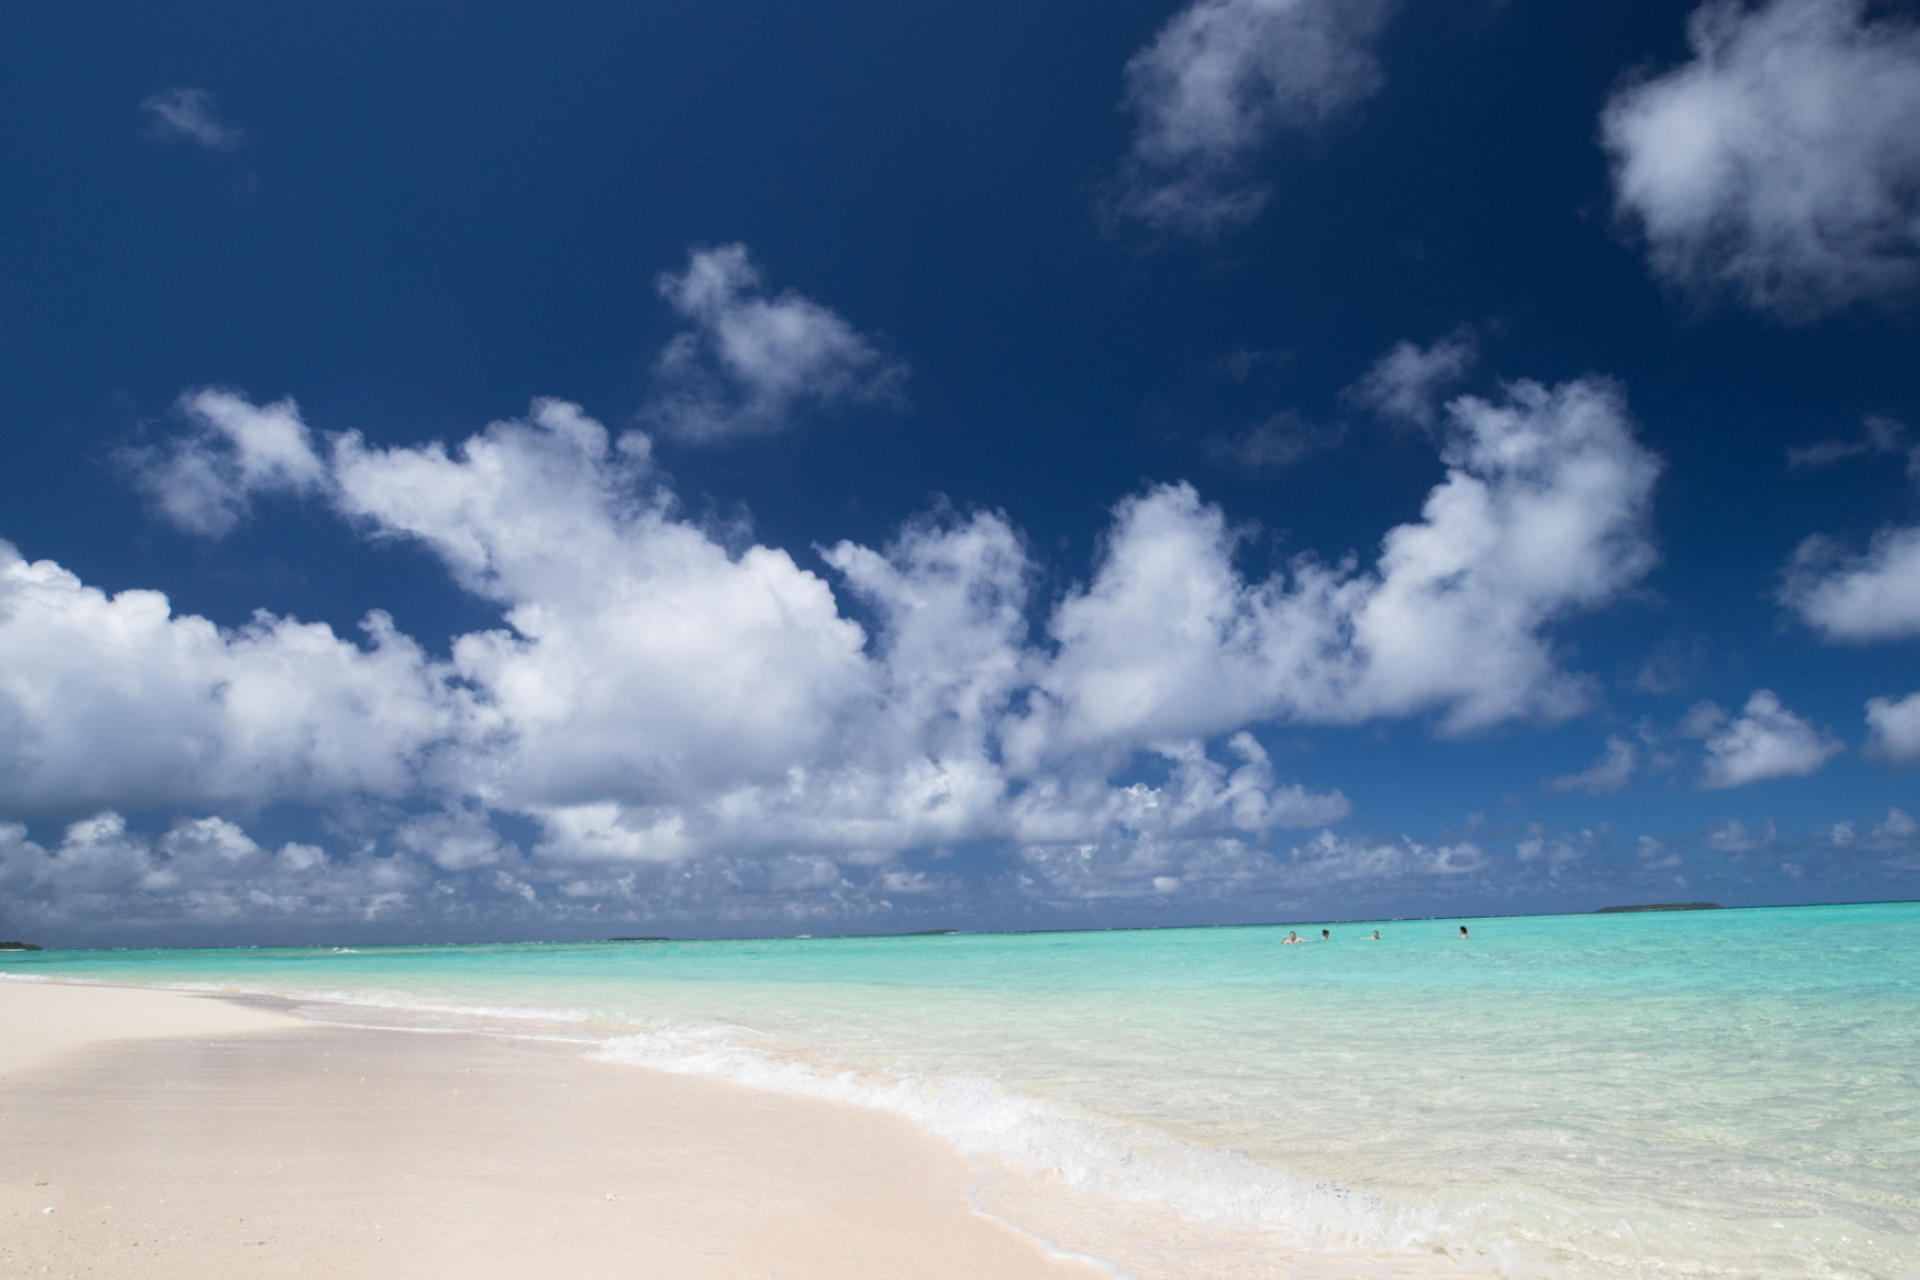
(1372, 937)
(1463, 931)
(1290, 939)
(1326, 936)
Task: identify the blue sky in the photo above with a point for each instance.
(485, 473)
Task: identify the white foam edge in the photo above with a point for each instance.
(1002, 1129)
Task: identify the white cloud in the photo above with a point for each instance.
(189, 115)
(105, 880)
(205, 481)
(1732, 837)
(1893, 834)
(651, 697)
(1229, 869)
(1219, 83)
(1405, 384)
(1612, 771)
(1199, 798)
(1857, 598)
(1894, 729)
(652, 700)
(639, 660)
(1329, 859)
(114, 701)
(1853, 598)
(751, 362)
(202, 870)
(951, 597)
(1765, 741)
(1552, 854)
(1655, 856)
(1543, 512)
(1782, 165)
(458, 838)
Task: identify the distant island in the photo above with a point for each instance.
(1664, 906)
(639, 939)
(19, 946)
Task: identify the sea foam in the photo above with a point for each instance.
(1004, 1130)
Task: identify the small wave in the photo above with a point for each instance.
(987, 1123)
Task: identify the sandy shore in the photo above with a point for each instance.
(177, 1135)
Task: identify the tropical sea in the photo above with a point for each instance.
(1703, 1093)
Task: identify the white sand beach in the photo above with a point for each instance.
(160, 1133)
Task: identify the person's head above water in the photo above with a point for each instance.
(1376, 935)
(1463, 931)
(1325, 935)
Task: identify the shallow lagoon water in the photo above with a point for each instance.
(1724, 1093)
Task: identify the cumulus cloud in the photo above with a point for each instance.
(1200, 797)
(1653, 855)
(1612, 771)
(1765, 741)
(751, 362)
(114, 701)
(638, 658)
(1404, 385)
(1329, 859)
(1894, 729)
(1898, 826)
(1229, 869)
(1857, 598)
(1732, 837)
(204, 481)
(1892, 834)
(1849, 597)
(652, 699)
(1223, 80)
(202, 870)
(104, 879)
(1781, 166)
(1553, 854)
(189, 115)
(1543, 512)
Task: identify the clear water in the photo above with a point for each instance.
(1722, 1093)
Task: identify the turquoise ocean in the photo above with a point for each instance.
(1707, 1093)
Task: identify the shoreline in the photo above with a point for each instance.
(176, 1134)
